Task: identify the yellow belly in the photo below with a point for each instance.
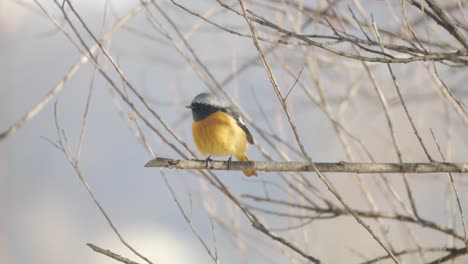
(219, 135)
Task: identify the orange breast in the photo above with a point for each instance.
(219, 135)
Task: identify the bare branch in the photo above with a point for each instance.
(339, 167)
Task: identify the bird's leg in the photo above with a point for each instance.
(229, 162)
(208, 160)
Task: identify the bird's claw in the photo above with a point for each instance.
(229, 162)
(208, 161)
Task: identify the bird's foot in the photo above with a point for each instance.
(208, 161)
(229, 162)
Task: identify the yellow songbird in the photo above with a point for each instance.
(218, 129)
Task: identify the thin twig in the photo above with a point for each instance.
(111, 254)
(452, 182)
(397, 87)
(188, 219)
(66, 150)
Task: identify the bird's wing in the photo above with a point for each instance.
(235, 114)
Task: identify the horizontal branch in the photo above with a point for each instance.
(341, 166)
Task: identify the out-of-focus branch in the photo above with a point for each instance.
(61, 84)
(347, 167)
(451, 256)
(63, 145)
(452, 252)
(454, 56)
(320, 213)
(447, 22)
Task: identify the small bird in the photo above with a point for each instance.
(218, 129)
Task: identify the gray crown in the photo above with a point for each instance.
(209, 99)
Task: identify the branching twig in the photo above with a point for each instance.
(63, 145)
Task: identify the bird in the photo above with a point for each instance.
(218, 129)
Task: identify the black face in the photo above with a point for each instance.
(202, 111)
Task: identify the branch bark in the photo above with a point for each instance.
(342, 166)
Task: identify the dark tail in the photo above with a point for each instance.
(243, 157)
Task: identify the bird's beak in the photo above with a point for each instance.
(189, 106)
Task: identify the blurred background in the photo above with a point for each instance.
(47, 216)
